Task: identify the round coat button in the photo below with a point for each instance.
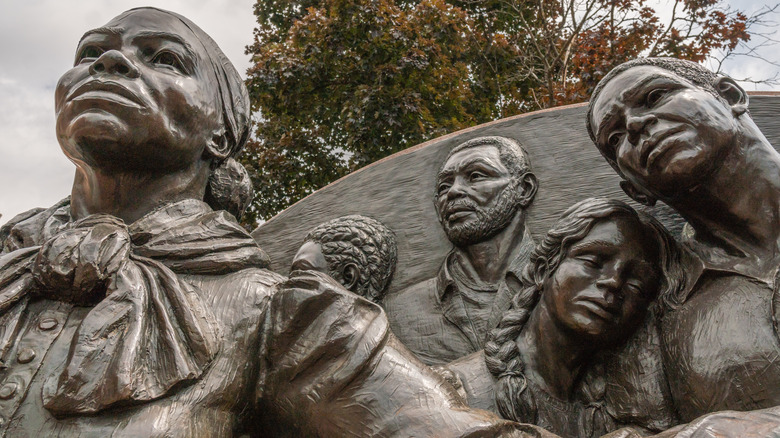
(47, 323)
(7, 391)
(25, 355)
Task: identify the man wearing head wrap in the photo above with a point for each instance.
(134, 308)
(676, 132)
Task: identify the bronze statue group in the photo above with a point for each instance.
(139, 307)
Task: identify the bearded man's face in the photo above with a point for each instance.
(476, 195)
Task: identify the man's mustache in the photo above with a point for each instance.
(459, 205)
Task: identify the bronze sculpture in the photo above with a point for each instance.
(134, 308)
(482, 190)
(585, 290)
(357, 251)
(569, 168)
(679, 133)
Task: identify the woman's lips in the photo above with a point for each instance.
(106, 91)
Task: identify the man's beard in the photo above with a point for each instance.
(489, 222)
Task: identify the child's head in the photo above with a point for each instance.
(600, 266)
(596, 272)
(357, 251)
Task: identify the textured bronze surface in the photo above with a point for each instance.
(704, 361)
(139, 307)
(678, 133)
(564, 160)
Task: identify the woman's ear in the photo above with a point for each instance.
(736, 97)
(637, 195)
(349, 275)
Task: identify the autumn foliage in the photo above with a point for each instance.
(338, 84)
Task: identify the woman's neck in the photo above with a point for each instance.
(131, 195)
(554, 359)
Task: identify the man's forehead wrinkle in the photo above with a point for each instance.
(631, 92)
(444, 174)
(477, 160)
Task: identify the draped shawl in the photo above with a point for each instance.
(150, 330)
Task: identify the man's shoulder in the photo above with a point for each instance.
(636, 389)
(422, 293)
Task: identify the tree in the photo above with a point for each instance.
(572, 44)
(338, 84)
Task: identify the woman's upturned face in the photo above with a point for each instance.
(605, 281)
(140, 96)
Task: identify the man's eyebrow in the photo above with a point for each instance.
(111, 31)
(477, 160)
(446, 173)
(606, 121)
(166, 36)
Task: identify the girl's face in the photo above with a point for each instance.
(605, 282)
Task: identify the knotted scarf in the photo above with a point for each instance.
(148, 330)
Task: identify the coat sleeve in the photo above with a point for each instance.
(331, 368)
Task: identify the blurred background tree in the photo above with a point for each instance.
(338, 84)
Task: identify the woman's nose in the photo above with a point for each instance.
(114, 62)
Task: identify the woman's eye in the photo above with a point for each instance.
(590, 261)
(654, 96)
(635, 289)
(90, 52)
(169, 59)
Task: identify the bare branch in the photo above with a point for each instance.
(652, 51)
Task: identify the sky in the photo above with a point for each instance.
(37, 43)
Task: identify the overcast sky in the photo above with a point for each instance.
(37, 43)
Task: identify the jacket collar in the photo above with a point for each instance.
(446, 282)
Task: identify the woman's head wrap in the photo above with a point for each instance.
(229, 187)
